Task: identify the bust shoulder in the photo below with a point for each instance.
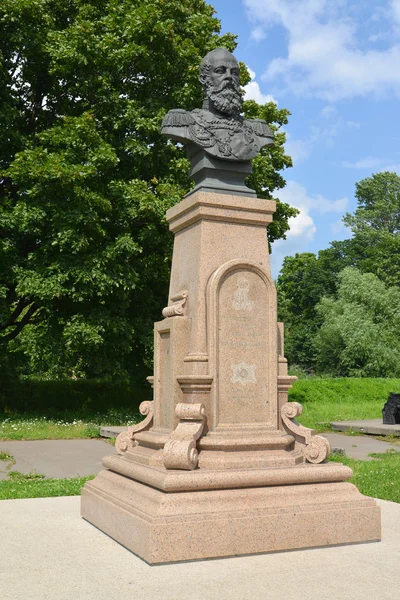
(260, 128)
(177, 117)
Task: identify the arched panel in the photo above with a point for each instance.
(241, 335)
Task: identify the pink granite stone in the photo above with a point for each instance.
(220, 466)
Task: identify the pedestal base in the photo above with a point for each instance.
(166, 527)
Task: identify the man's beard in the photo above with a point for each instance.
(227, 100)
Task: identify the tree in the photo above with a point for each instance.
(267, 166)
(375, 246)
(359, 335)
(86, 178)
(303, 281)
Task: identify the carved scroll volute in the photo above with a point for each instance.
(126, 439)
(177, 308)
(180, 450)
(315, 448)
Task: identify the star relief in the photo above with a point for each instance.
(243, 373)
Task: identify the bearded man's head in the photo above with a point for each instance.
(219, 74)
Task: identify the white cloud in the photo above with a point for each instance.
(376, 37)
(257, 34)
(337, 226)
(340, 231)
(392, 168)
(395, 6)
(302, 232)
(371, 163)
(302, 227)
(328, 111)
(296, 195)
(363, 163)
(299, 150)
(253, 92)
(326, 56)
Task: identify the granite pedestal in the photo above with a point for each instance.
(220, 466)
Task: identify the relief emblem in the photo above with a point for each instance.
(243, 373)
(241, 300)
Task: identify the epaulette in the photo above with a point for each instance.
(177, 118)
(260, 128)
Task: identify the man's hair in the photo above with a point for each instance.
(205, 66)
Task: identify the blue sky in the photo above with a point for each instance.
(335, 64)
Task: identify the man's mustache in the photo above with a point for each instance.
(226, 85)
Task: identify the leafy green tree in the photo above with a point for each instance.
(303, 281)
(375, 246)
(299, 290)
(359, 335)
(86, 178)
(269, 164)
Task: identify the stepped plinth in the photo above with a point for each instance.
(220, 466)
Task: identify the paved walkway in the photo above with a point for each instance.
(72, 458)
(55, 458)
(373, 426)
(359, 446)
(48, 552)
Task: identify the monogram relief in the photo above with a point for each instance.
(241, 300)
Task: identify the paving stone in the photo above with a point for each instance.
(51, 553)
(58, 458)
(372, 426)
(359, 446)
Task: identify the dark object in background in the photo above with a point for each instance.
(391, 410)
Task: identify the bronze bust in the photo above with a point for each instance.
(217, 133)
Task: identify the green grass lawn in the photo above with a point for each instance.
(379, 478)
(323, 399)
(340, 399)
(62, 425)
(6, 457)
(36, 486)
